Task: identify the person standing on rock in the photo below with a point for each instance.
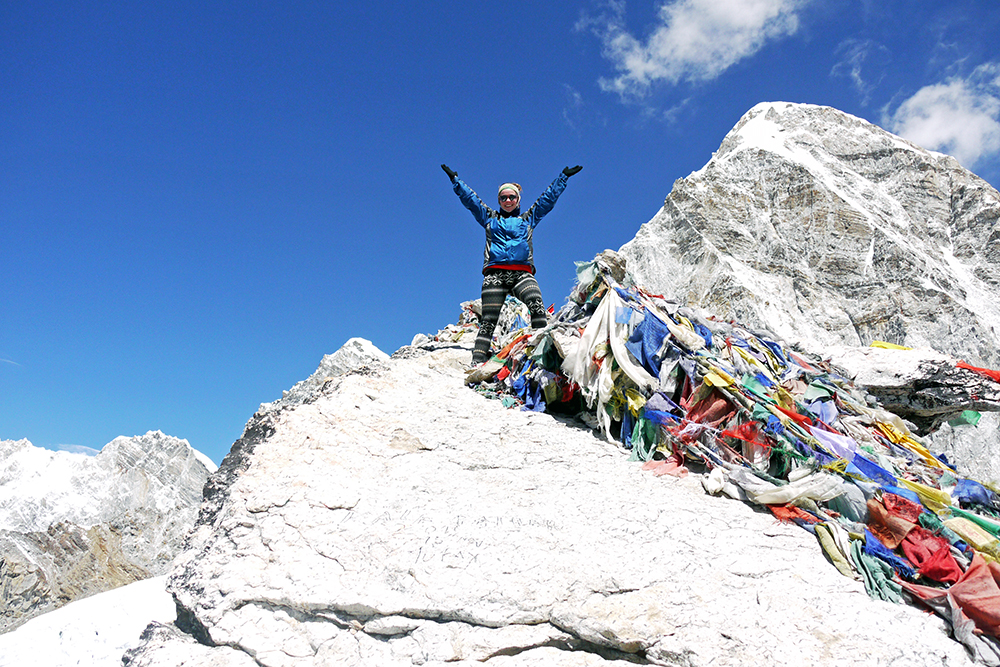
(508, 262)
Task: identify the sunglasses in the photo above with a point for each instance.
(508, 197)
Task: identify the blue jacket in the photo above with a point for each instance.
(508, 235)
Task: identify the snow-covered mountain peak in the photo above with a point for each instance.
(786, 129)
(39, 487)
(355, 354)
(826, 229)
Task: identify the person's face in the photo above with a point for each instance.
(509, 200)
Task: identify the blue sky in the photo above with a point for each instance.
(200, 200)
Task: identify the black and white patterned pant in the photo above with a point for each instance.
(497, 284)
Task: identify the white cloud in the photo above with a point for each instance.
(574, 106)
(960, 117)
(577, 114)
(77, 449)
(855, 54)
(673, 113)
(693, 40)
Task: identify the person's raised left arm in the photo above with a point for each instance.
(547, 200)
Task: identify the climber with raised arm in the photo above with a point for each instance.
(508, 261)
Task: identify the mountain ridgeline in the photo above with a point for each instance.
(825, 229)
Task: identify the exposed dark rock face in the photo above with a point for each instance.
(42, 571)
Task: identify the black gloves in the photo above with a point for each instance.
(569, 171)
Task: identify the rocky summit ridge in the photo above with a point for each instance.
(395, 517)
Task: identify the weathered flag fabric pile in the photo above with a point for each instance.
(766, 425)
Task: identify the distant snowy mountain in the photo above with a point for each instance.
(39, 487)
(72, 525)
(826, 229)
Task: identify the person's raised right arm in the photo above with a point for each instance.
(469, 198)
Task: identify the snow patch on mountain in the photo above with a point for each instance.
(94, 632)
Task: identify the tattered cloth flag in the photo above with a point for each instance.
(679, 388)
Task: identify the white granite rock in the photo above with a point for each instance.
(973, 446)
(497, 537)
(355, 354)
